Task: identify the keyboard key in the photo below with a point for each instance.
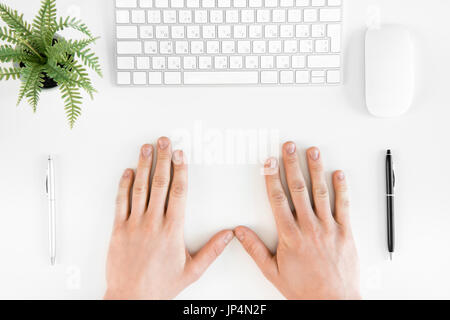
(140, 78)
(122, 16)
(334, 3)
(169, 16)
(178, 32)
(275, 46)
(193, 32)
(126, 3)
(333, 76)
(330, 15)
(162, 32)
(306, 46)
(302, 31)
(290, 46)
(224, 32)
(145, 3)
(216, 16)
(298, 62)
(123, 78)
(166, 47)
(324, 61)
(240, 3)
(193, 3)
(269, 77)
(286, 31)
(243, 47)
(229, 77)
(318, 30)
(294, 15)
(252, 62)
(127, 32)
(322, 46)
(205, 62)
(228, 47)
(189, 63)
(287, 77)
(208, 3)
(154, 16)
(283, 62)
(220, 62)
(143, 63)
(181, 47)
(146, 32)
(201, 16)
(334, 32)
(129, 47)
(150, 47)
(138, 16)
(255, 31)
(159, 63)
(212, 47)
(172, 77)
(224, 3)
(125, 63)
(197, 47)
(185, 16)
(176, 3)
(154, 78)
(161, 3)
(232, 16)
(267, 62)
(255, 3)
(310, 15)
(318, 80)
(263, 15)
(259, 46)
(279, 15)
(236, 62)
(318, 3)
(248, 16)
(302, 77)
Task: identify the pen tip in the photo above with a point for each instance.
(390, 256)
(389, 152)
(52, 261)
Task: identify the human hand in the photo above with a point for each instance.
(316, 256)
(147, 257)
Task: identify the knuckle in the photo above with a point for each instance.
(160, 182)
(164, 156)
(278, 197)
(139, 189)
(298, 187)
(321, 192)
(291, 160)
(178, 190)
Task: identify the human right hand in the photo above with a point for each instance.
(316, 256)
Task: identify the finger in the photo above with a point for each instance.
(123, 197)
(277, 197)
(342, 199)
(178, 188)
(161, 178)
(208, 254)
(258, 251)
(319, 186)
(297, 185)
(142, 181)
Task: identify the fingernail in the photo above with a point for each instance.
(147, 151)
(163, 143)
(127, 173)
(228, 237)
(341, 176)
(178, 157)
(314, 154)
(290, 148)
(271, 163)
(239, 234)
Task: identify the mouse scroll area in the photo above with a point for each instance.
(389, 71)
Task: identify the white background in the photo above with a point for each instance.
(106, 140)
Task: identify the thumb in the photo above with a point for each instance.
(254, 246)
(208, 254)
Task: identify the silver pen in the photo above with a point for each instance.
(50, 188)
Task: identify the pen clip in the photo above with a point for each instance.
(46, 184)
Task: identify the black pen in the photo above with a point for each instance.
(390, 184)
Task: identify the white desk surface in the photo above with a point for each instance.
(106, 140)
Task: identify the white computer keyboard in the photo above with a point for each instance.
(231, 42)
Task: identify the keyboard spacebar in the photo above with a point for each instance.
(232, 77)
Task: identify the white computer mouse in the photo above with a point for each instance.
(389, 71)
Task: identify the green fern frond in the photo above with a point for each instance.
(72, 103)
(45, 22)
(83, 80)
(91, 60)
(9, 73)
(60, 75)
(14, 21)
(32, 83)
(74, 24)
(8, 35)
(17, 55)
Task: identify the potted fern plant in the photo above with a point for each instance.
(42, 59)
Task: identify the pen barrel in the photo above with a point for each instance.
(390, 223)
(52, 227)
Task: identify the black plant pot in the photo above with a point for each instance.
(48, 82)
